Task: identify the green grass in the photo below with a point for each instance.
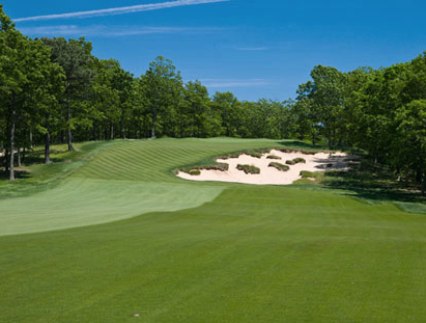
(103, 182)
(240, 253)
(279, 166)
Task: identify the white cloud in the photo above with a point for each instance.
(109, 31)
(234, 83)
(120, 10)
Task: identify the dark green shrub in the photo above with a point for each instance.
(194, 172)
(248, 169)
(231, 155)
(307, 174)
(273, 157)
(280, 167)
(219, 166)
(295, 161)
(312, 176)
(304, 152)
(299, 160)
(255, 154)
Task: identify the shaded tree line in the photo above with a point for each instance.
(55, 90)
(381, 112)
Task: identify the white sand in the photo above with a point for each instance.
(270, 175)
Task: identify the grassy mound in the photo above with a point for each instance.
(296, 161)
(273, 157)
(279, 166)
(249, 169)
(196, 170)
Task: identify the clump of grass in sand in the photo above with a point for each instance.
(273, 157)
(249, 169)
(231, 155)
(196, 171)
(304, 152)
(255, 154)
(299, 160)
(279, 166)
(296, 161)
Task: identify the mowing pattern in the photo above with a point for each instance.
(154, 160)
(81, 202)
(255, 254)
(252, 254)
(120, 180)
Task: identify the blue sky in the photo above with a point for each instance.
(254, 48)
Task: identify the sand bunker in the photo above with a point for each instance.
(270, 175)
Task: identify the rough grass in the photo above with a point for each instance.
(249, 169)
(273, 157)
(279, 166)
(252, 254)
(196, 170)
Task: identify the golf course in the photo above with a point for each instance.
(212, 161)
(108, 233)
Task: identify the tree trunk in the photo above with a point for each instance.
(12, 148)
(6, 161)
(112, 131)
(69, 132)
(47, 148)
(19, 157)
(31, 139)
(123, 131)
(154, 123)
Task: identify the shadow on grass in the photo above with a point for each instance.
(301, 145)
(374, 183)
(19, 174)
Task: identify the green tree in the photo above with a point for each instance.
(162, 88)
(411, 134)
(75, 57)
(13, 52)
(195, 110)
(227, 105)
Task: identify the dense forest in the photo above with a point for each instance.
(55, 90)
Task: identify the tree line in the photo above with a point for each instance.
(55, 90)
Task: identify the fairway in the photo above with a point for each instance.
(119, 238)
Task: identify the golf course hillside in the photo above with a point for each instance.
(113, 181)
(109, 233)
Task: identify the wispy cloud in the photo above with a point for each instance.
(234, 83)
(109, 31)
(120, 10)
(252, 49)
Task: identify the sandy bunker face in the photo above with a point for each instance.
(270, 175)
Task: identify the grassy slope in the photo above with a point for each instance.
(254, 254)
(114, 181)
